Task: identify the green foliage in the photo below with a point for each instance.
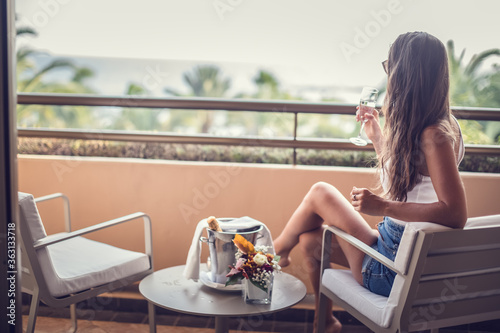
(137, 119)
(328, 126)
(135, 89)
(336, 158)
(473, 132)
(481, 163)
(203, 81)
(233, 279)
(471, 85)
(180, 152)
(31, 78)
(207, 81)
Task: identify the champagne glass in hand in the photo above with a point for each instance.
(366, 105)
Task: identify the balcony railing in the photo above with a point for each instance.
(293, 107)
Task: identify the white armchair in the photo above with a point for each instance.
(66, 268)
(445, 277)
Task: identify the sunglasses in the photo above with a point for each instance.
(386, 67)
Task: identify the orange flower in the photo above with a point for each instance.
(242, 244)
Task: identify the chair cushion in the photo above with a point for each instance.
(78, 264)
(375, 307)
(29, 212)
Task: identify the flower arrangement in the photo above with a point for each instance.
(253, 263)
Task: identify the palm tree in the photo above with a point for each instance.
(275, 123)
(32, 78)
(138, 118)
(207, 81)
(204, 81)
(267, 85)
(469, 86)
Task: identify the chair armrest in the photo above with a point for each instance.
(356, 243)
(67, 215)
(147, 232)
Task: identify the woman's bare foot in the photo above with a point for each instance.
(282, 252)
(332, 325)
(284, 261)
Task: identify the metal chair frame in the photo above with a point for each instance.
(33, 280)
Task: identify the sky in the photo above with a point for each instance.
(305, 43)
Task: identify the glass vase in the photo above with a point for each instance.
(255, 295)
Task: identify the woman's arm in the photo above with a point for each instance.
(451, 207)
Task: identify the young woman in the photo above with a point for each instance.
(418, 152)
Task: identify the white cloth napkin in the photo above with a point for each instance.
(192, 269)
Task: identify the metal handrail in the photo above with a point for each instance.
(205, 103)
(294, 107)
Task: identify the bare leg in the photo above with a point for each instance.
(324, 203)
(310, 244)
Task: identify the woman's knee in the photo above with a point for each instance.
(321, 188)
(321, 192)
(317, 191)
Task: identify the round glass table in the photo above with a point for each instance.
(167, 288)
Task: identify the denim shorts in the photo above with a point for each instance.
(376, 277)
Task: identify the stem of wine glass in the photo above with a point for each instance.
(361, 129)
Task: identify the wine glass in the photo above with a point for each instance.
(366, 105)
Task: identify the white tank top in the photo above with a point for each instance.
(424, 192)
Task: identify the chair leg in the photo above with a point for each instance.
(35, 301)
(322, 312)
(151, 317)
(74, 324)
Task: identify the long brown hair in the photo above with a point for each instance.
(417, 97)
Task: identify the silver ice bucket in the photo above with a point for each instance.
(222, 248)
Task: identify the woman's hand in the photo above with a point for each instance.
(372, 128)
(372, 125)
(364, 201)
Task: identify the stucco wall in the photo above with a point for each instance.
(178, 194)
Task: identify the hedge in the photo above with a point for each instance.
(213, 153)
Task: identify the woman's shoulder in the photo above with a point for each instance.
(437, 140)
(444, 131)
(435, 135)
